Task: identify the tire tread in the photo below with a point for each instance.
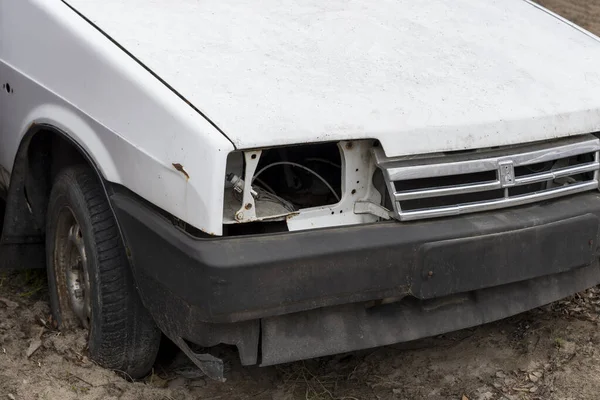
(125, 338)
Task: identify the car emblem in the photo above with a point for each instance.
(506, 173)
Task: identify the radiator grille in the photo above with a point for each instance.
(458, 183)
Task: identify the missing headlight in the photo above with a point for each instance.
(305, 176)
(284, 180)
(304, 186)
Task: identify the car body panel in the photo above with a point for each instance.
(420, 77)
(131, 125)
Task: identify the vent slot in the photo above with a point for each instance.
(447, 181)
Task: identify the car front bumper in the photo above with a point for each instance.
(289, 296)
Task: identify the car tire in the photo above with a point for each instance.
(89, 278)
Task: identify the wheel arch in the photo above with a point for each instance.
(43, 151)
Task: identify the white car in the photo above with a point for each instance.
(295, 178)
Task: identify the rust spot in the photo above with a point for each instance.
(430, 274)
(248, 206)
(179, 168)
(291, 215)
(349, 145)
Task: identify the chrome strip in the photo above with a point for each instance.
(500, 203)
(412, 169)
(447, 191)
(425, 171)
(559, 173)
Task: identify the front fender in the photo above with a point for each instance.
(132, 125)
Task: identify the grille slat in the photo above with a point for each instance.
(454, 184)
(496, 204)
(559, 173)
(447, 191)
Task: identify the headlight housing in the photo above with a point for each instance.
(303, 187)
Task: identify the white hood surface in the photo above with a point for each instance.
(420, 76)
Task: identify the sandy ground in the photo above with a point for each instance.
(549, 353)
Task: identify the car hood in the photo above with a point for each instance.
(421, 77)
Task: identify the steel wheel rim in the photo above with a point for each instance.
(71, 267)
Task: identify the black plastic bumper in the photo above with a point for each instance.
(200, 283)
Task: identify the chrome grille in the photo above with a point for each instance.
(465, 182)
